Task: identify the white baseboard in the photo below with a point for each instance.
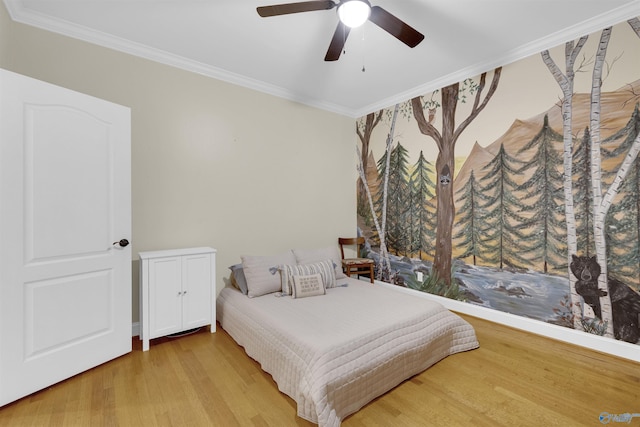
(595, 342)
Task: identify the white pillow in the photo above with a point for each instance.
(323, 268)
(308, 256)
(261, 272)
(307, 286)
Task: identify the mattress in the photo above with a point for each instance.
(336, 352)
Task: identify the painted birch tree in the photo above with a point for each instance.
(602, 201)
(565, 81)
(364, 129)
(445, 140)
(384, 269)
(384, 256)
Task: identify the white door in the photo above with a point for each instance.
(65, 199)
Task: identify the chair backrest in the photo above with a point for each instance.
(350, 241)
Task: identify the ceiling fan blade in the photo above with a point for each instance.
(392, 25)
(287, 8)
(337, 42)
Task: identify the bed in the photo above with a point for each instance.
(335, 352)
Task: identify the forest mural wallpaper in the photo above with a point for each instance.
(517, 190)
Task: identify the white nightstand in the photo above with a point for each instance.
(177, 291)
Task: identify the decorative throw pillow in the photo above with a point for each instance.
(237, 278)
(324, 268)
(307, 286)
(308, 256)
(261, 272)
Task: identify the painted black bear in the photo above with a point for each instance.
(625, 303)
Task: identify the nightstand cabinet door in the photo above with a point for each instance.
(165, 296)
(196, 288)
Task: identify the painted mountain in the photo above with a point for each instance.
(530, 155)
(526, 163)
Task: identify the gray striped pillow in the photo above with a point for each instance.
(307, 256)
(325, 269)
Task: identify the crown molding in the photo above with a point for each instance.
(28, 17)
(25, 16)
(612, 17)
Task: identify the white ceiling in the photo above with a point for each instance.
(284, 55)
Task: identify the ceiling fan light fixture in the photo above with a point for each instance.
(354, 13)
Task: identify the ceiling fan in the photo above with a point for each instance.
(352, 14)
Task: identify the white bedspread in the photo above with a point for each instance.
(334, 353)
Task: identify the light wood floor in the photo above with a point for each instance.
(513, 379)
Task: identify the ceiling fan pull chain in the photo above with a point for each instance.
(363, 50)
(344, 40)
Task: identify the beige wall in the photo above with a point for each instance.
(4, 36)
(212, 163)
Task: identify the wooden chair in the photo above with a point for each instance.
(359, 266)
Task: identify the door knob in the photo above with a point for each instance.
(123, 243)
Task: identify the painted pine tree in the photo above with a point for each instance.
(397, 198)
(623, 220)
(582, 194)
(501, 244)
(471, 219)
(421, 218)
(542, 235)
